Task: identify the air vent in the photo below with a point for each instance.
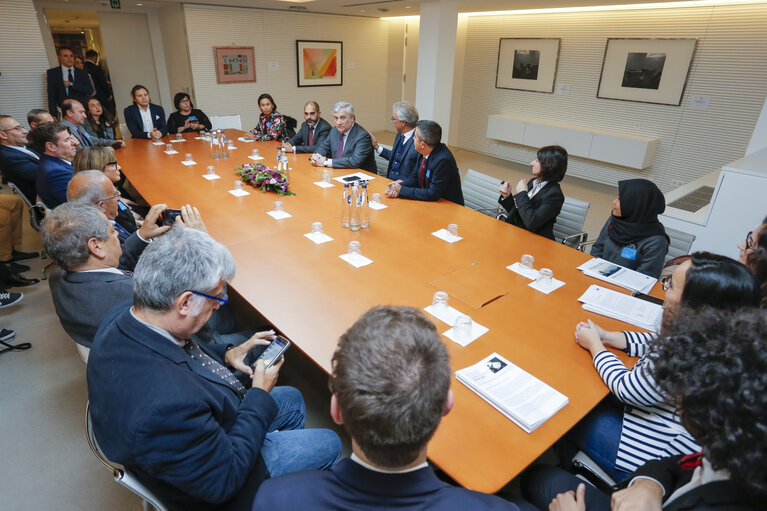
(695, 200)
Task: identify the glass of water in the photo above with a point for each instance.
(278, 206)
(546, 276)
(169, 147)
(439, 301)
(189, 157)
(462, 327)
(354, 248)
(452, 229)
(317, 228)
(527, 261)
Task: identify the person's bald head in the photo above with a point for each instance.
(95, 188)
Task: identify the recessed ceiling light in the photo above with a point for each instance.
(408, 7)
(139, 5)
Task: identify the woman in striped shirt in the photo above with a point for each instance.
(636, 425)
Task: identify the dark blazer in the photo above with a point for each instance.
(103, 89)
(405, 163)
(349, 485)
(83, 299)
(136, 125)
(177, 120)
(538, 214)
(179, 428)
(80, 89)
(53, 176)
(20, 169)
(301, 139)
(358, 150)
(440, 180)
(132, 246)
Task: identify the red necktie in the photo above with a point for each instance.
(340, 146)
(311, 135)
(421, 172)
(86, 141)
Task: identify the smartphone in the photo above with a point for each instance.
(169, 216)
(349, 179)
(192, 117)
(274, 351)
(649, 298)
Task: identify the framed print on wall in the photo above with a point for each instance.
(235, 64)
(646, 70)
(319, 63)
(527, 64)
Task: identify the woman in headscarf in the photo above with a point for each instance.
(633, 236)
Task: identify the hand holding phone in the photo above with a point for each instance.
(273, 353)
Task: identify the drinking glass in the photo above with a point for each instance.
(462, 327)
(179, 136)
(326, 178)
(353, 248)
(439, 301)
(238, 185)
(527, 261)
(452, 229)
(189, 157)
(278, 205)
(169, 147)
(545, 276)
(377, 198)
(317, 228)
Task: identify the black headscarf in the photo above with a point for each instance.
(641, 203)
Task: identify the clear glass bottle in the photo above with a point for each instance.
(346, 205)
(364, 206)
(354, 217)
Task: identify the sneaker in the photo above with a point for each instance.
(18, 255)
(6, 335)
(7, 299)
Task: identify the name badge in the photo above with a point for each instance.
(629, 253)
(428, 174)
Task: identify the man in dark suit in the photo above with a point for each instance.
(143, 118)
(17, 163)
(67, 82)
(38, 116)
(391, 387)
(402, 156)
(102, 85)
(436, 175)
(170, 411)
(313, 131)
(74, 119)
(57, 148)
(348, 145)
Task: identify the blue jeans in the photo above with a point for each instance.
(290, 448)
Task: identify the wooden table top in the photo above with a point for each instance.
(313, 296)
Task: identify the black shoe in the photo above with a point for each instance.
(18, 255)
(18, 280)
(15, 267)
(7, 299)
(6, 335)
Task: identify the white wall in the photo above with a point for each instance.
(274, 35)
(173, 28)
(730, 65)
(23, 60)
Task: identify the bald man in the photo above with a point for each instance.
(312, 133)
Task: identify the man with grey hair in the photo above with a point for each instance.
(170, 410)
(391, 388)
(348, 145)
(436, 174)
(402, 156)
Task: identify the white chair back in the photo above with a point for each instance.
(681, 243)
(480, 192)
(223, 122)
(568, 228)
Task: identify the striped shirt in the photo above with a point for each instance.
(651, 428)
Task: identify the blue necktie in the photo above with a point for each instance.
(122, 232)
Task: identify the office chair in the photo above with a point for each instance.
(37, 213)
(681, 243)
(568, 228)
(222, 122)
(382, 164)
(480, 193)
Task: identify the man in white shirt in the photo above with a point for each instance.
(67, 82)
(74, 119)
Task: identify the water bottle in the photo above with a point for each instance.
(215, 149)
(224, 146)
(364, 207)
(279, 159)
(346, 206)
(354, 217)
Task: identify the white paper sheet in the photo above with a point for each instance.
(444, 234)
(361, 176)
(477, 331)
(318, 237)
(239, 193)
(243, 139)
(622, 307)
(447, 314)
(256, 158)
(618, 275)
(188, 163)
(377, 205)
(356, 260)
(177, 141)
(159, 142)
(279, 215)
(211, 177)
(546, 289)
(171, 152)
(324, 185)
(529, 273)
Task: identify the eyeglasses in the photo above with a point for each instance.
(222, 299)
(17, 127)
(115, 196)
(665, 282)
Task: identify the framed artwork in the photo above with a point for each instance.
(527, 64)
(646, 70)
(235, 64)
(319, 63)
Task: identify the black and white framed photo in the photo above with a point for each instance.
(646, 70)
(527, 64)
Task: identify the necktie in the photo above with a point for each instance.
(71, 80)
(86, 140)
(122, 232)
(421, 172)
(210, 364)
(311, 135)
(340, 146)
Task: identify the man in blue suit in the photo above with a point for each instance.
(436, 174)
(348, 146)
(391, 387)
(17, 163)
(67, 82)
(57, 147)
(313, 131)
(143, 118)
(402, 156)
(170, 410)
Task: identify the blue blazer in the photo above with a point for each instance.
(405, 163)
(441, 178)
(136, 125)
(81, 89)
(301, 139)
(179, 428)
(53, 176)
(20, 169)
(358, 150)
(349, 485)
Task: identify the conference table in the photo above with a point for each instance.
(312, 296)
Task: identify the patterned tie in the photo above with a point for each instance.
(311, 135)
(421, 172)
(340, 146)
(210, 364)
(86, 140)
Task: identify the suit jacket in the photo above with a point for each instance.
(405, 163)
(178, 427)
(103, 89)
(132, 246)
(136, 125)
(358, 150)
(53, 176)
(301, 139)
(92, 140)
(441, 178)
(349, 485)
(715, 496)
(20, 169)
(537, 214)
(83, 299)
(80, 89)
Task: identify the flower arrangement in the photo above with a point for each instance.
(264, 178)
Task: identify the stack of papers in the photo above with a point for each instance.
(517, 394)
(618, 275)
(622, 307)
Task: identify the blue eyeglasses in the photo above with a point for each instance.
(220, 299)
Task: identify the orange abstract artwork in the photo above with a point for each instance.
(320, 63)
